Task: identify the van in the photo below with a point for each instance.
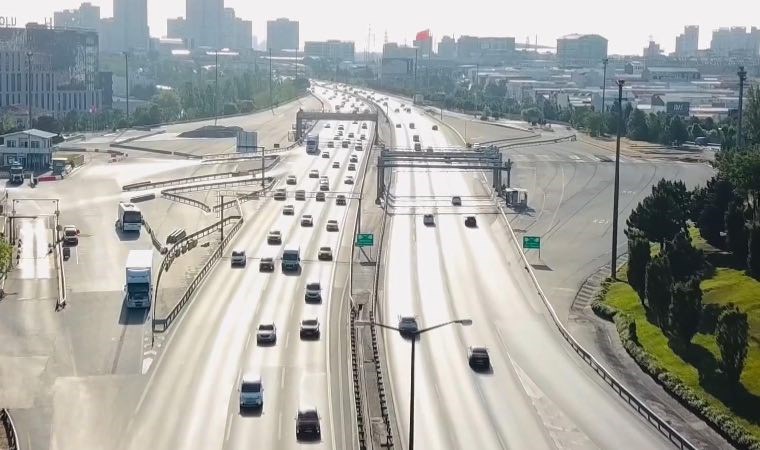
(291, 259)
(251, 391)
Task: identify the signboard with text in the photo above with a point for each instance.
(365, 240)
(532, 242)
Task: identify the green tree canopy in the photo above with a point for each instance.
(658, 289)
(637, 126)
(732, 335)
(685, 310)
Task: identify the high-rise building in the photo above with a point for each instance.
(282, 34)
(131, 22)
(176, 28)
(424, 42)
(653, 53)
(331, 50)
(447, 48)
(236, 32)
(581, 50)
(61, 75)
(735, 41)
(203, 19)
(86, 17)
(473, 49)
(687, 43)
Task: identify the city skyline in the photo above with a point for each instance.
(402, 20)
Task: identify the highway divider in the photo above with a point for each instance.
(10, 429)
(662, 426)
(135, 138)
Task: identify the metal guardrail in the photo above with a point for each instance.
(10, 429)
(186, 200)
(154, 239)
(653, 419)
(143, 185)
(570, 138)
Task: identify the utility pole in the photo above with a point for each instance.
(605, 60)
(126, 72)
(271, 100)
(616, 199)
(742, 78)
(29, 87)
(216, 86)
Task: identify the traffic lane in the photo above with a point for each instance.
(35, 260)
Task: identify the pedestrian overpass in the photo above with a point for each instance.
(302, 115)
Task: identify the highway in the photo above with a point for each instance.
(538, 395)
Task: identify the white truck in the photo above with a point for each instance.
(312, 144)
(139, 286)
(129, 217)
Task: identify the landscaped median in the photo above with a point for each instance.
(690, 372)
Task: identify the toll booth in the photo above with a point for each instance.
(516, 198)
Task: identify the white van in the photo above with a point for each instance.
(251, 391)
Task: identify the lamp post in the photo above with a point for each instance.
(605, 60)
(616, 199)
(413, 336)
(126, 73)
(29, 86)
(742, 78)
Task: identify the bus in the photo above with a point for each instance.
(129, 218)
(312, 144)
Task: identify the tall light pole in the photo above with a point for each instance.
(216, 86)
(29, 86)
(413, 336)
(742, 78)
(615, 201)
(605, 60)
(126, 72)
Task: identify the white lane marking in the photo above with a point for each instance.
(227, 430)
(282, 379)
(573, 156)
(279, 428)
(287, 337)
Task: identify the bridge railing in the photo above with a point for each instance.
(10, 429)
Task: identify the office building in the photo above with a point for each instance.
(483, 50)
(331, 50)
(687, 43)
(32, 148)
(282, 34)
(176, 28)
(86, 17)
(63, 75)
(447, 48)
(131, 25)
(203, 23)
(236, 32)
(653, 53)
(581, 50)
(424, 42)
(735, 41)
(398, 61)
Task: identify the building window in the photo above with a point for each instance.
(35, 144)
(11, 143)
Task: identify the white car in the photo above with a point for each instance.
(428, 220)
(349, 180)
(280, 194)
(266, 333)
(307, 220)
(354, 159)
(313, 174)
(313, 291)
(238, 258)
(310, 328)
(332, 225)
(291, 179)
(251, 392)
(327, 125)
(325, 254)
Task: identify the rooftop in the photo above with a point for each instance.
(33, 132)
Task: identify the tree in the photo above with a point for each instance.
(752, 116)
(639, 255)
(708, 208)
(753, 257)
(6, 254)
(742, 168)
(637, 126)
(685, 261)
(48, 123)
(658, 289)
(736, 232)
(661, 215)
(675, 131)
(731, 334)
(594, 123)
(230, 108)
(655, 127)
(685, 310)
(531, 115)
(169, 105)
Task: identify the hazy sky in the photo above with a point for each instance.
(627, 25)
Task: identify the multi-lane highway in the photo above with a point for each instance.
(538, 395)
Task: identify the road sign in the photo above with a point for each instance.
(532, 242)
(365, 240)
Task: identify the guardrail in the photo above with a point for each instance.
(157, 151)
(10, 429)
(61, 302)
(569, 138)
(143, 185)
(653, 419)
(135, 138)
(153, 238)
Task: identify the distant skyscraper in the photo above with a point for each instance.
(447, 48)
(687, 43)
(331, 50)
(203, 20)
(176, 28)
(424, 42)
(582, 50)
(735, 41)
(282, 34)
(86, 17)
(131, 22)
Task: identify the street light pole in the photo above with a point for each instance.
(411, 397)
(742, 78)
(605, 60)
(616, 199)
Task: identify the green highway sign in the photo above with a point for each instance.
(365, 240)
(532, 242)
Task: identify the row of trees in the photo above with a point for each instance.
(668, 282)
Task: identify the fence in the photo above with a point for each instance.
(10, 429)
(662, 426)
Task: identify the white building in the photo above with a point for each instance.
(32, 148)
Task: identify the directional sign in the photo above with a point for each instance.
(532, 242)
(365, 240)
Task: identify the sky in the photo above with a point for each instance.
(627, 25)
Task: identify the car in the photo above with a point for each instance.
(319, 196)
(362, 137)
(478, 359)
(358, 147)
(337, 138)
(411, 125)
(354, 159)
(309, 328)
(324, 187)
(470, 222)
(345, 144)
(428, 220)
(341, 127)
(364, 126)
(251, 391)
(325, 254)
(340, 200)
(313, 292)
(301, 195)
(339, 133)
(332, 225)
(417, 147)
(307, 220)
(280, 194)
(456, 200)
(336, 165)
(349, 180)
(398, 125)
(238, 258)
(354, 122)
(291, 180)
(350, 135)
(396, 110)
(307, 424)
(352, 167)
(435, 127)
(266, 333)
(266, 264)
(288, 210)
(274, 237)
(407, 325)
(429, 150)
(70, 235)
(325, 155)
(327, 125)
(313, 174)
(409, 110)
(330, 144)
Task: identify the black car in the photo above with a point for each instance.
(307, 424)
(470, 221)
(266, 264)
(478, 358)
